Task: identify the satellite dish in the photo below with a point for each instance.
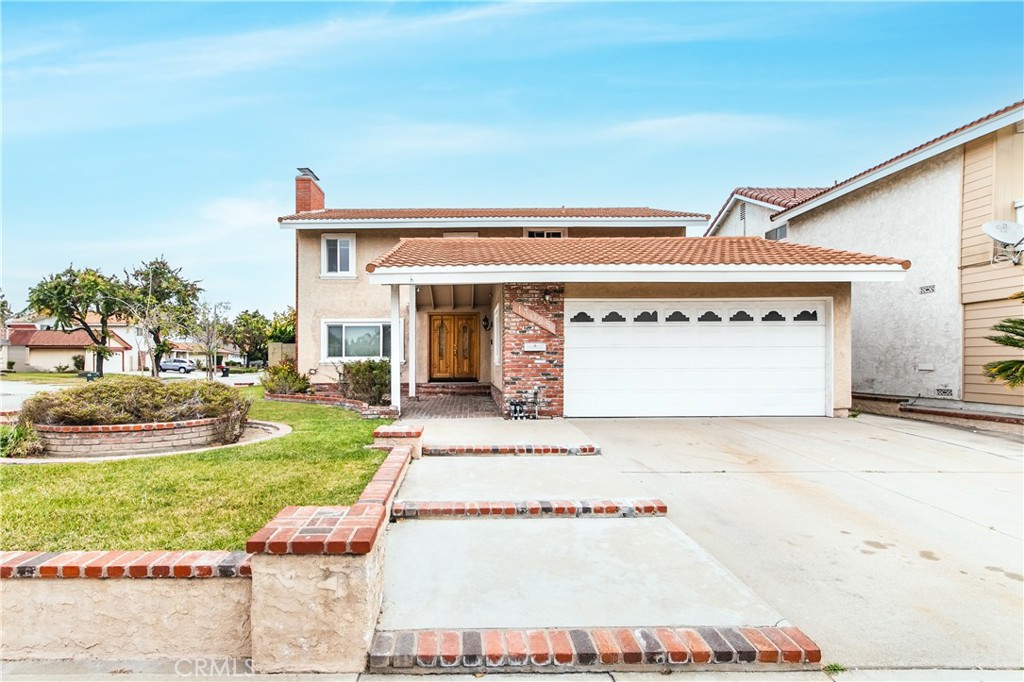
(1007, 233)
(1009, 236)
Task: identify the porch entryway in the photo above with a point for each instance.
(450, 400)
(454, 347)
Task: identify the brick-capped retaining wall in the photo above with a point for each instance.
(125, 605)
(129, 439)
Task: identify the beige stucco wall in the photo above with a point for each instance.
(315, 613)
(125, 619)
(904, 342)
(758, 221)
(46, 359)
(839, 292)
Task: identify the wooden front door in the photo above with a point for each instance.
(454, 347)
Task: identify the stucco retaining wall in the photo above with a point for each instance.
(129, 439)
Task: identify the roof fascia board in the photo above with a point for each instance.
(963, 137)
(633, 273)
(446, 223)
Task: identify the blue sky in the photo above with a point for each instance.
(132, 130)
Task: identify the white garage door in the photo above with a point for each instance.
(675, 358)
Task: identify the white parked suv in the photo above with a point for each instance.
(177, 365)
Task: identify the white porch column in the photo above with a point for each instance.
(412, 341)
(396, 349)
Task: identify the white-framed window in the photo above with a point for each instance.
(343, 340)
(548, 233)
(338, 255)
(777, 233)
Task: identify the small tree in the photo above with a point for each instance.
(1010, 372)
(282, 327)
(72, 295)
(162, 304)
(207, 330)
(249, 332)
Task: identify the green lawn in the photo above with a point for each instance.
(54, 378)
(214, 500)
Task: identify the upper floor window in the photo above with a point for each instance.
(338, 255)
(777, 233)
(546, 234)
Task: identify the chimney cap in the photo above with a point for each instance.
(307, 173)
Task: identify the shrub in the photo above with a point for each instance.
(79, 362)
(134, 400)
(284, 378)
(19, 440)
(368, 380)
(10, 364)
(61, 369)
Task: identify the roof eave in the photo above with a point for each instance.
(733, 199)
(939, 147)
(499, 274)
(484, 223)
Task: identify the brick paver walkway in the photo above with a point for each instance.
(449, 407)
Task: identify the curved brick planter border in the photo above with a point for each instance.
(365, 411)
(128, 439)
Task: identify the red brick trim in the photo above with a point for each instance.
(573, 649)
(365, 411)
(335, 530)
(121, 428)
(529, 509)
(125, 564)
(448, 450)
(398, 431)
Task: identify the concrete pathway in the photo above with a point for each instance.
(497, 431)
(14, 393)
(521, 573)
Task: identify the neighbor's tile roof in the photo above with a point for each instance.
(781, 197)
(921, 147)
(422, 213)
(438, 252)
(54, 338)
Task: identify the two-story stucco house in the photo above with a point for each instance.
(924, 336)
(577, 311)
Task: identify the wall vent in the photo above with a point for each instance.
(943, 393)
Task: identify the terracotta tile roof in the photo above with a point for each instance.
(427, 213)
(921, 147)
(439, 252)
(781, 197)
(54, 338)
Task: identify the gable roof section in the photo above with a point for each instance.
(769, 197)
(954, 138)
(469, 213)
(612, 258)
(53, 338)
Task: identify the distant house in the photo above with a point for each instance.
(126, 330)
(924, 336)
(43, 350)
(185, 350)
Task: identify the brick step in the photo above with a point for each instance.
(532, 509)
(514, 450)
(561, 650)
(452, 388)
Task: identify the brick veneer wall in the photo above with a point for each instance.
(524, 373)
(126, 439)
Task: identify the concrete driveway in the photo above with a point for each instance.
(891, 543)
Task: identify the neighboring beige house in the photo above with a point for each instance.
(185, 350)
(44, 350)
(125, 330)
(577, 311)
(925, 336)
